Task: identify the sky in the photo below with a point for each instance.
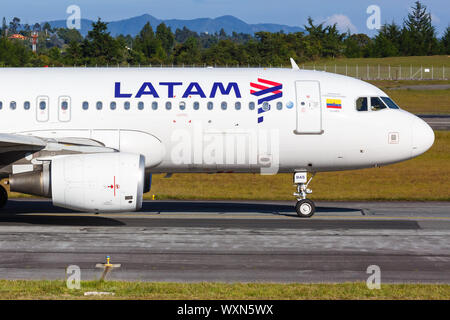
(348, 14)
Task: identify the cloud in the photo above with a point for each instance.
(342, 22)
(435, 19)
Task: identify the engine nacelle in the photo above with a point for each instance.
(111, 182)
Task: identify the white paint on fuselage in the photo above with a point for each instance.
(350, 139)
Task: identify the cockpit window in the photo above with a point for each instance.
(361, 104)
(391, 104)
(376, 104)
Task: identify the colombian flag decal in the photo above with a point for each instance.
(334, 103)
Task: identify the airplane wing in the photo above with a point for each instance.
(14, 147)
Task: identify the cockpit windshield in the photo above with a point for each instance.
(376, 104)
(391, 104)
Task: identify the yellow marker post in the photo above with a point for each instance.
(107, 267)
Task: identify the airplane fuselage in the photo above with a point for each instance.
(214, 120)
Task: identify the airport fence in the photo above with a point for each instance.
(386, 72)
(363, 72)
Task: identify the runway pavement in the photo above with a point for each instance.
(437, 121)
(231, 241)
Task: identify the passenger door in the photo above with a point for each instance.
(309, 107)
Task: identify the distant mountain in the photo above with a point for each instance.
(134, 25)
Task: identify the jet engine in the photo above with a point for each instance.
(100, 182)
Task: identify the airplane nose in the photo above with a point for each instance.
(422, 137)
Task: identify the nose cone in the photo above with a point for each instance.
(422, 137)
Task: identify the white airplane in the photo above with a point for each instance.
(90, 138)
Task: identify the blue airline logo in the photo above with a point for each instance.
(192, 89)
(266, 91)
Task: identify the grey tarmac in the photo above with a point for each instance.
(230, 241)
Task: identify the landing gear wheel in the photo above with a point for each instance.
(305, 208)
(3, 196)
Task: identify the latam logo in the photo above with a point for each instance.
(172, 88)
(266, 91)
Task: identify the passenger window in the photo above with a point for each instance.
(182, 105)
(361, 104)
(279, 105)
(42, 105)
(237, 106)
(376, 104)
(113, 105)
(64, 109)
(140, 105)
(196, 105)
(251, 106)
(99, 105)
(126, 105)
(13, 105)
(223, 105)
(26, 105)
(266, 106)
(85, 105)
(210, 105)
(1, 105)
(154, 105)
(168, 105)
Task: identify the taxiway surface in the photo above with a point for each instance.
(190, 241)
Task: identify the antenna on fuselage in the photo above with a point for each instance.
(294, 65)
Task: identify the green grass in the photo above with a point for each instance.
(417, 101)
(423, 178)
(26, 289)
(415, 61)
(386, 68)
(388, 84)
(422, 101)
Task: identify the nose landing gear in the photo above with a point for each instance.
(305, 208)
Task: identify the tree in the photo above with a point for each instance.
(419, 35)
(332, 42)
(145, 41)
(166, 37)
(13, 53)
(272, 48)
(323, 41)
(187, 52)
(4, 27)
(14, 25)
(54, 54)
(36, 27)
(445, 41)
(222, 34)
(99, 47)
(357, 45)
(47, 28)
(181, 35)
(69, 35)
(74, 54)
(387, 42)
(225, 52)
